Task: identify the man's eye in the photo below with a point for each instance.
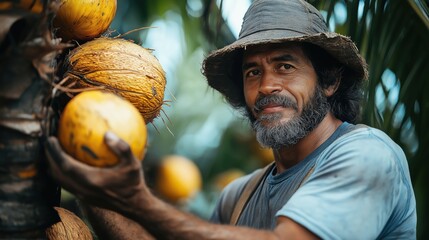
(252, 73)
(286, 67)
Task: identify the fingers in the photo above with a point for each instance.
(63, 167)
(72, 175)
(58, 157)
(119, 147)
(102, 186)
(54, 151)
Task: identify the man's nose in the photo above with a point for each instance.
(269, 84)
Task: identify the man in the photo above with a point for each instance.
(300, 86)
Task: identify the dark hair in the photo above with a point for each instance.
(345, 102)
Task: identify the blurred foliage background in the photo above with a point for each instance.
(197, 123)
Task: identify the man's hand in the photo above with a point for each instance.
(111, 187)
(122, 188)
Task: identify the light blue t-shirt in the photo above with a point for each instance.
(360, 188)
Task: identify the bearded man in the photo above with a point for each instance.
(301, 87)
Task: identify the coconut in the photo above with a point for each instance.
(86, 119)
(120, 66)
(178, 179)
(69, 227)
(84, 19)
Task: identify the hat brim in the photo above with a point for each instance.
(218, 66)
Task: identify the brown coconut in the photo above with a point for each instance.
(120, 66)
(70, 227)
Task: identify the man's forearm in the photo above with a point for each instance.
(111, 225)
(164, 221)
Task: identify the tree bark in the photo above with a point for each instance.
(27, 53)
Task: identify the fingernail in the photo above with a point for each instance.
(110, 136)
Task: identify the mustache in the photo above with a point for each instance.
(277, 99)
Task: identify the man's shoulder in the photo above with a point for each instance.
(363, 137)
(366, 153)
(366, 150)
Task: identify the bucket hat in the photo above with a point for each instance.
(278, 21)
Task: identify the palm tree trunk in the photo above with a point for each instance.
(27, 193)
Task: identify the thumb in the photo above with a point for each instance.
(119, 147)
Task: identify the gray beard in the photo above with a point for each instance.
(289, 133)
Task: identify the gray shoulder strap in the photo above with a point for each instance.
(248, 191)
(250, 188)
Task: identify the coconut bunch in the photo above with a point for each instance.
(110, 63)
(112, 84)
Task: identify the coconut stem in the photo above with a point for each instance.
(133, 30)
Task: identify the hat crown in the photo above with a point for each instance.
(293, 15)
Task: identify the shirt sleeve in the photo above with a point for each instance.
(352, 191)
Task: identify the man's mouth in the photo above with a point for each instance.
(273, 104)
(270, 108)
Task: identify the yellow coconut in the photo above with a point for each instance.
(84, 19)
(69, 227)
(177, 179)
(86, 119)
(123, 67)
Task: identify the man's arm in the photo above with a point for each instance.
(122, 188)
(166, 222)
(110, 225)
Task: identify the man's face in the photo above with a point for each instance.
(284, 101)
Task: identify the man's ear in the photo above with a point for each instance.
(330, 90)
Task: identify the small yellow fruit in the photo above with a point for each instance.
(178, 178)
(84, 19)
(86, 119)
(120, 66)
